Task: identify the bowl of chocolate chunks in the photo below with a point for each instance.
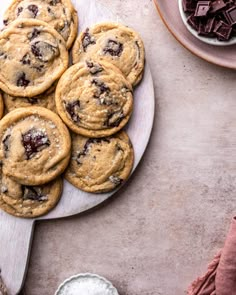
(213, 22)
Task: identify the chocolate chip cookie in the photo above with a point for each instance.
(32, 57)
(94, 99)
(101, 164)
(1, 105)
(45, 100)
(29, 201)
(60, 14)
(113, 43)
(35, 145)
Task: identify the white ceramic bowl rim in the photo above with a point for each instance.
(210, 41)
(84, 275)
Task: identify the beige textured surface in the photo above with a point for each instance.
(161, 229)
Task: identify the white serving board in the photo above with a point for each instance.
(15, 233)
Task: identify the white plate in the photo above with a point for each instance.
(211, 41)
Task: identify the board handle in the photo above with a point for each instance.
(15, 243)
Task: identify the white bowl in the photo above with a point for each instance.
(211, 41)
(86, 284)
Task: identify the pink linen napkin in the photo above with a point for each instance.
(220, 278)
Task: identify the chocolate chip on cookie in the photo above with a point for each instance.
(34, 141)
(87, 40)
(114, 48)
(72, 110)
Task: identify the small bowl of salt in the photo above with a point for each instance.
(86, 284)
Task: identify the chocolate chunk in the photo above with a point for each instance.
(22, 81)
(217, 5)
(5, 22)
(233, 33)
(44, 51)
(193, 21)
(201, 27)
(202, 8)
(19, 10)
(83, 153)
(114, 48)
(189, 6)
(114, 119)
(32, 100)
(35, 33)
(4, 189)
(36, 51)
(3, 55)
(87, 145)
(119, 148)
(94, 68)
(72, 108)
(116, 180)
(87, 40)
(209, 26)
(34, 141)
(101, 88)
(6, 144)
(54, 2)
(33, 9)
(230, 15)
(223, 31)
(230, 3)
(33, 193)
(26, 59)
(206, 27)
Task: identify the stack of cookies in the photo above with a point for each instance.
(71, 127)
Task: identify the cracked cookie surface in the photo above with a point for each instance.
(29, 201)
(45, 100)
(94, 99)
(100, 164)
(32, 57)
(114, 43)
(34, 145)
(60, 14)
